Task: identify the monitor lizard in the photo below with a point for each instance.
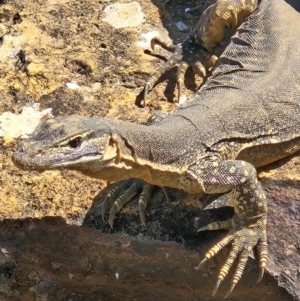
(246, 115)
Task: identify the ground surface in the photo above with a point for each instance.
(49, 47)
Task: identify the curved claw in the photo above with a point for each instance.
(204, 228)
(104, 206)
(261, 274)
(146, 91)
(216, 287)
(201, 263)
(217, 225)
(162, 44)
(113, 194)
(230, 290)
(142, 209)
(166, 193)
(112, 214)
(143, 201)
(262, 249)
(121, 201)
(199, 69)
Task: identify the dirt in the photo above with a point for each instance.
(45, 253)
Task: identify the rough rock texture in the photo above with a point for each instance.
(66, 56)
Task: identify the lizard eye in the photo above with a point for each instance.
(76, 142)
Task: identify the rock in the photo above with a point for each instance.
(60, 262)
(182, 27)
(3, 30)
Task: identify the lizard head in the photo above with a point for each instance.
(67, 141)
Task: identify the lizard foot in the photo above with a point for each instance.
(245, 235)
(122, 194)
(188, 53)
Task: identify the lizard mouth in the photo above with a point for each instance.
(78, 161)
(52, 161)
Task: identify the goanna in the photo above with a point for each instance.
(246, 115)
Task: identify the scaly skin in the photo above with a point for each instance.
(246, 115)
(197, 50)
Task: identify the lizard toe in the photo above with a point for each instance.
(121, 201)
(143, 201)
(112, 195)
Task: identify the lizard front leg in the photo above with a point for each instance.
(247, 228)
(188, 53)
(197, 50)
(123, 193)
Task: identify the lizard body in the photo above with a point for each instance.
(246, 115)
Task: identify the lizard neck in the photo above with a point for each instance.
(150, 172)
(127, 169)
(158, 144)
(144, 152)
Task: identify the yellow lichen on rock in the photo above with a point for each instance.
(35, 69)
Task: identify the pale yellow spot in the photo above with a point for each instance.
(232, 169)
